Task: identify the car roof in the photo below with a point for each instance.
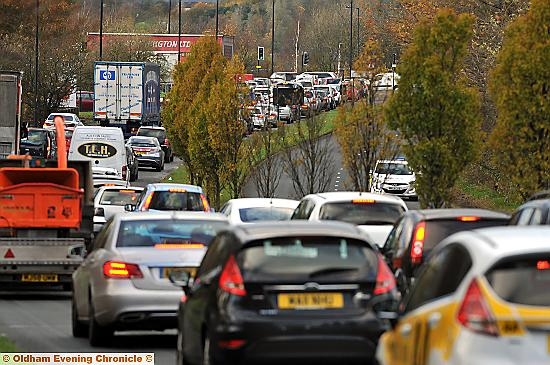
(179, 215)
(503, 241)
(168, 186)
(445, 213)
(536, 203)
(341, 196)
(263, 202)
(152, 127)
(144, 138)
(264, 230)
(63, 114)
(118, 187)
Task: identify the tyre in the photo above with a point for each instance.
(80, 329)
(159, 167)
(172, 157)
(180, 358)
(98, 335)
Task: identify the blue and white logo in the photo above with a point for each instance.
(107, 75)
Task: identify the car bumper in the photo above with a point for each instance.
(128, 308)
(272, 339)
(155, 161)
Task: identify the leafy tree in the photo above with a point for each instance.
(437, 114)
(520, 85)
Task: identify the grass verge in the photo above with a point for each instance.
(470, 194)
(6, 345)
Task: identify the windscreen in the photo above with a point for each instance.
(66, 118)
(437, 230)
(157, 133)
(141, 142)
(165, 232)
(509, 278)
(119, 197)
(308, 259)
(176, 200)
(265, 214)
(393, 169)
(362, 213)
(35, 136)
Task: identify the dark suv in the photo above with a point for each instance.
(160, 134)
(39, 142)
(417, 232)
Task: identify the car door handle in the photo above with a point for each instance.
(405, 330)
(433, 319)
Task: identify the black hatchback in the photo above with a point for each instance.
(285, 291)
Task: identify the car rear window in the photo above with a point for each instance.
(119, 197)
(509, 278)
(437, 230)
(176, 200)
(157, 133)
(265, 214)
(162, 233)
(308, 259)
(362, 212)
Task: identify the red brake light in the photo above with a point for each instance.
(543, 265)
(121, 270)
(166, 141)
(231, 280)
(124, 169)
(474, 312)
(468, 219)
(385, 281)
(417, 249)
(231, 344)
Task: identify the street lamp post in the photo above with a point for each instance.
(169, 16)
(36, 64)
(351, 51)
(101, 31)
(179, 31)
(217, 18)
(358, 47)
(272, 37)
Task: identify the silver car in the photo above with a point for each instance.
(123, 283)
(110, 200)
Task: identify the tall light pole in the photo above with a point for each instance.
(273, 37)
(169, 16)
(351, 50)
(179, 31)
(36, 63)
(358, 47)
(217, 19)
(101, 31)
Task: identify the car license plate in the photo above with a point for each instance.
(138, 153)
(310, 300)
(166, 271)
(40, 278)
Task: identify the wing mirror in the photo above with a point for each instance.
(181, 279)
(129, 207)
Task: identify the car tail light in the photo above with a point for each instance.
(231, 280)
(166, 142)
(231, 344)
(385, 281)
(468, 218)
(417, 249)
(474, 312)
(121, 270)
(205, 204)
(124, 171)
(543, 265)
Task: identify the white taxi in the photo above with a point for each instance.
(482, 298)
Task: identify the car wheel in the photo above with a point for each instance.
(79, 328)
(159, 167)
(98, 335)
(172, 157)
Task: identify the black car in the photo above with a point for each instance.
(285, 291)
(533, 213)
(417, 232)
(39, 142)
(160, 134)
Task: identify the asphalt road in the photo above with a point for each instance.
(40, 321)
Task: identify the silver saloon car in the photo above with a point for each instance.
(123, 283)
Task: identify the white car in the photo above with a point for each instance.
(375, 214)
(258, 117)
(109, 200)
(71, 120)
(482, 298)
(394, 177)
(386, 81)
(251, 210)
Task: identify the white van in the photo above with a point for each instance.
(103, 146)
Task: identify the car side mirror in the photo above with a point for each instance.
(391, 317)
(129, 207)
(180, 279)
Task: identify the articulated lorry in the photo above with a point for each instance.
(126, 95)
(46, 218)
(10, 112)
